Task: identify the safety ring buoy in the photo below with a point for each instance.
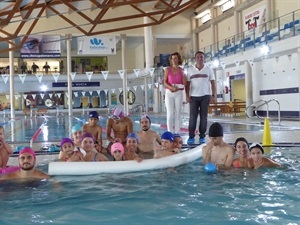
(48, 103)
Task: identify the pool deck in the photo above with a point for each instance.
(287, 132)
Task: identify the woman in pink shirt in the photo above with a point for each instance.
(174, 81)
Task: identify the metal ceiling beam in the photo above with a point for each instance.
(159, 12)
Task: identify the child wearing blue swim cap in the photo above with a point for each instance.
(167, 146)
(178, 141)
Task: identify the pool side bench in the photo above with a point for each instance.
(227, 108)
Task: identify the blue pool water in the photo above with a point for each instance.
(185, 195)
(23, 128)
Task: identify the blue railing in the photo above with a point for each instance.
(274, 30)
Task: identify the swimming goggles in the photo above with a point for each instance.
(116, 117)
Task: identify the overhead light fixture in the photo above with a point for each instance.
(206, 18)
(216, 63)
(201, 14)
(44, 88)
(265, 49)
(227, 5)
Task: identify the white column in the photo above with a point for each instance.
(146, 95)
(162, 96)
(236, 25)
(125, 97)
(213, 34)
(155, 99)
(11, 83)
(217, 78)
(148, 57)
(270, 6)
(109, 98)
(195, 37)
(223, 84)
(248, 86)
(70, 100)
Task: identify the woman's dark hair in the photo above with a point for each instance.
(241, 139)
(179, 57)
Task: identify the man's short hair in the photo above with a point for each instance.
(199, 52)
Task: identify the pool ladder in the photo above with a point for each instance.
(256, 105)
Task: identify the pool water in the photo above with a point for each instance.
(23, 128)
(183, 195)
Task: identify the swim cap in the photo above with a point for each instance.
(256, 145)
(29, 151)
(241, 139)
(93, 114)
(76, 127)
(66, 140)
(167, 136)
(216, 130)
(87, 135)
(117, 113)
(176, 136)
(117, 146)
(133, 135)
(146, 117)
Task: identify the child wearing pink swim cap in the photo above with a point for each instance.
(117, 151)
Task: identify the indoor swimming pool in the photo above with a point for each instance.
(183, 195)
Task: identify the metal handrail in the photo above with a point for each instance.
(256, 107)
(138, 108)
(253, 105)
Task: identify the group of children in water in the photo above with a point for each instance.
(83, 146)
(87, 142)
(216, 151)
